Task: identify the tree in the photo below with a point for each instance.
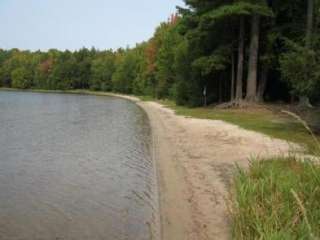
(299, 64)
(21, 78)
(239, 93)
(257, 49)
(253, 59)
(102, 69)
(126, 72)
(310, 19)
(304, 99)
(260, 9)
(301, 67)
(82, 68)
(42, 72)
(165, 74)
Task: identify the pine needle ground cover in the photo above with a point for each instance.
(277, 199)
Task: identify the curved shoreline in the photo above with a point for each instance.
(194, 161)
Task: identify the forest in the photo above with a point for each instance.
(232, 51)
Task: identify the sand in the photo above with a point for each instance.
(195, 162)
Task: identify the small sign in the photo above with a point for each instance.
(205, 96)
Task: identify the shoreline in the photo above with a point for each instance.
(195, 161)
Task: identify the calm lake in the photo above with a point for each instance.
(75, 167)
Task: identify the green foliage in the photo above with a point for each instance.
(165, 75)
(277, 199)
(300, 67)
(211, 64)
(239, 8)
(102, 69)
(21, 78)
(126, 72)
(195, 49)
(186, 87)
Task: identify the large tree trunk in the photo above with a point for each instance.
(304, 100)
(220, 89)
(262, 84)
(232, 77)
(309, 29)
(253, 60)
(239, 93)
(317, 19)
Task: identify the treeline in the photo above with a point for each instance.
(230, 50)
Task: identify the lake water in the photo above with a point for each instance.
(75, 167)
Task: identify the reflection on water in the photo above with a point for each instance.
(75, 167)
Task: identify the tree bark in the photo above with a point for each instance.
(309, 29)
(232, 76)
(239, 93)
(253, 60)
(220, 90)
(317, 19)
(262, 84)
(304, 100)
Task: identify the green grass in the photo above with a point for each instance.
(277, 199)
(146, 98)
(274, 125)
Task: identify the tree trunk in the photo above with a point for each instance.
(262, 84)
(304, 100)
(239, 93)
(317, 19)
(309, 29)
(232, 77)
(220, 89)
(253, 60)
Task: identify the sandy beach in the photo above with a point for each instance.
(195, 161)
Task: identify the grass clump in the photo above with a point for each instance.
(277, 199)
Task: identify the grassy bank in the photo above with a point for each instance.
(277, 199)
(271, 123)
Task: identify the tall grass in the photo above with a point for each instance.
(279, 198)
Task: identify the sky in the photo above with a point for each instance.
(73, 24)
